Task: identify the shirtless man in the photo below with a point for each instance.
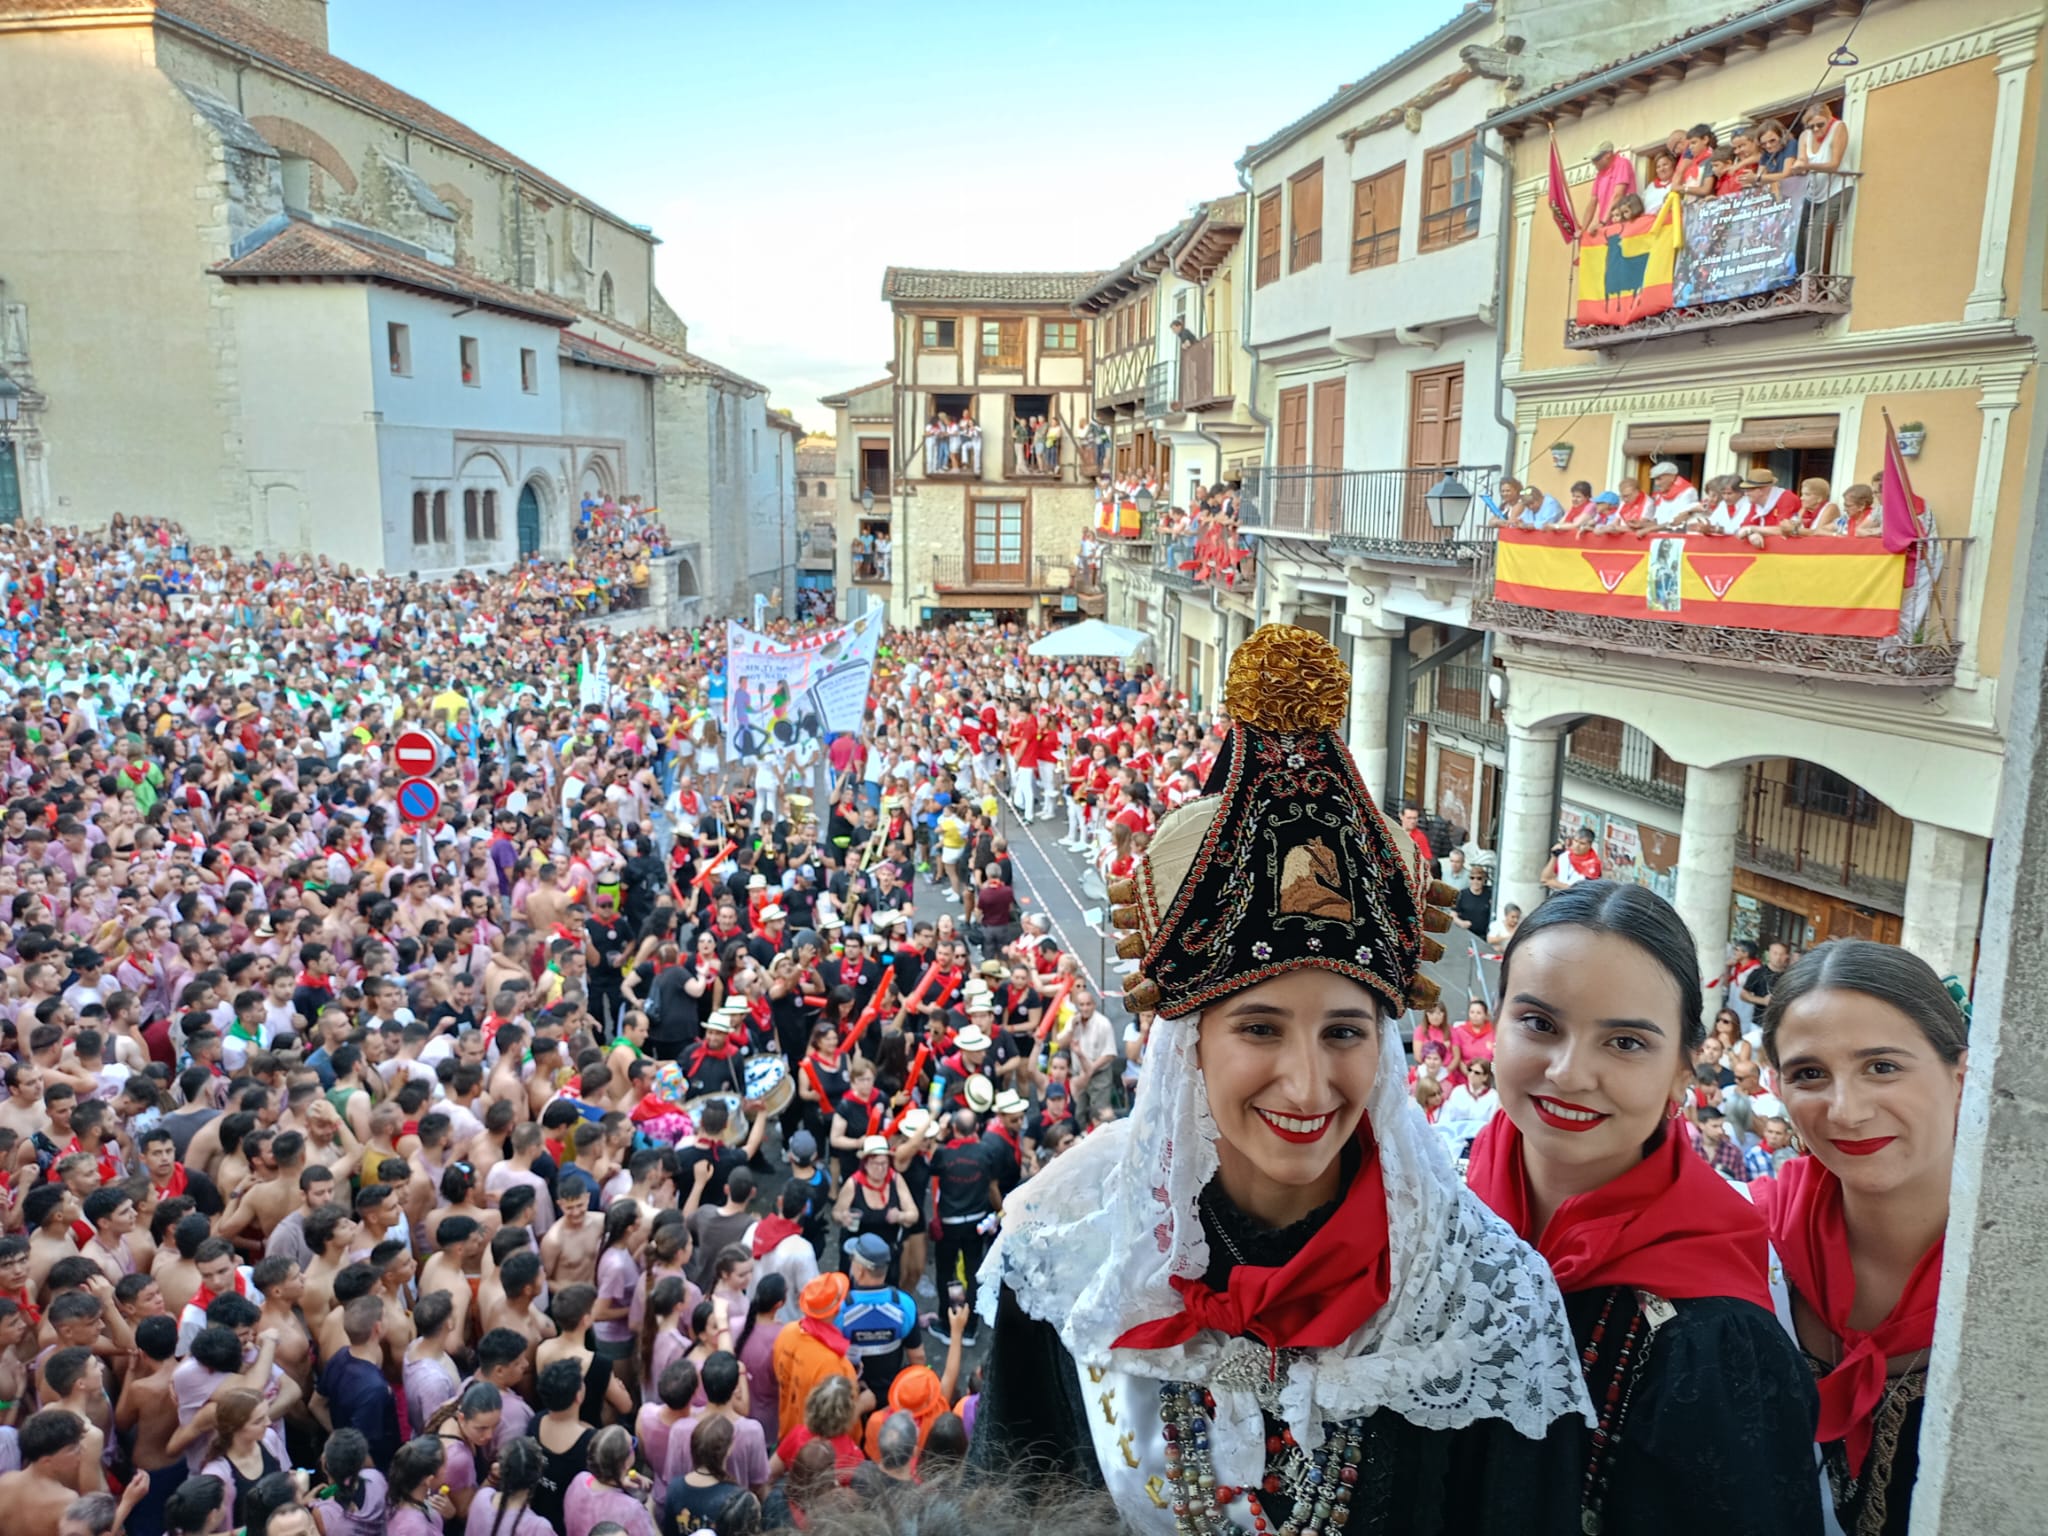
(505, 1082)
(528, 1142)
(329, 1141)
(284, 1288)
(425, 1167)
(396, 1270)
(177, 1262)
(569, 1251)
(269, 1195)
(330, 1234)
(490, 1150)
(461, 1241)
(547, 904)
(53, 1473)
(111, 1210)
(48, 1211)
(377, 1213)
(518, 1309)
(148, 1408)
(22, 1110)
(78, 1385)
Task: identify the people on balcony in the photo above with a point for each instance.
(970, 443)
(1664, 170)
(1775, 153)
(1614, 177)
(1523, 506)
(1672, 496)
(937, 457)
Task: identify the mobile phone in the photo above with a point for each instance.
(956, 1294)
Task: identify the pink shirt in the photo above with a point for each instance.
(589, 1504)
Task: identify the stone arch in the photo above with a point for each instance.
(596, 479)
(293, 138)
(492, 456)
(686, 578)
(606, 300)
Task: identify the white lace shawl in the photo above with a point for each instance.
(1473, 1327)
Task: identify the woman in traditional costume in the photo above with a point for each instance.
(1265, 1302)
(1705, 1412)
(1870, 1050)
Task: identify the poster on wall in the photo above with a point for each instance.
(1657, 863)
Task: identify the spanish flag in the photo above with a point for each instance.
(1827, 586)
(1625, 268)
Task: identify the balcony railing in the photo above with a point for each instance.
(1207, 366)
(1925, 649)
(1033, 573)
(1061, 460)
(1802, 239)
(1198, 558)
(1120, 377)
(1162, 387)
(1370, 511)
(1457, 698)
(1848, 844)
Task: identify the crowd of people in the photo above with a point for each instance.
(1750, 506)
(1696, 163)
(616, 1148)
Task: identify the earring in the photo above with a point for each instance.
(1673, 1110)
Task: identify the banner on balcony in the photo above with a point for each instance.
(1743, 243)
(1626, 268)
(782, 694)
(1819, 586)
(1116, 517)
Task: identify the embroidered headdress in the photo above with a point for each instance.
(1285, 861)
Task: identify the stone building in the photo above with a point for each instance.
(864, 420)
(820, 567)
(265, 292)
(991, 535)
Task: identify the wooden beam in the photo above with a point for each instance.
(1797, 26)
(1715, 56)
(1673, 70)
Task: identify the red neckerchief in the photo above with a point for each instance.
(29, 1309)
(1803, 1207)
(860, 1177)
(1670, 1225)
(312, 983)
(1318, 1299)
(556, 1150)
(203, 1298)
(771, 1230)
(706, 1053)
(962, 1141)
(172, 1187)
(852, 972)
(825, 1334)
(872, 1104)
(948, 983)
(999, 1129)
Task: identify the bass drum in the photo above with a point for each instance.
(769, 1084)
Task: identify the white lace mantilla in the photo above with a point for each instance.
(1473, 1327)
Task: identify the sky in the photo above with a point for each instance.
(786, 153)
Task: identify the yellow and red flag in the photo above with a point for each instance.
(1824, 586)
(1625, 268)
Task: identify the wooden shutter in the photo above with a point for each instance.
(1269, 237)
(1652, 439)
(1436, 408)
(419, 517)
(1376, 219)
(1294, 425)
(1436, 200)
(1305, 221)
(1328, 448)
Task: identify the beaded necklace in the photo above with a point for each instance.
(1613, 1401)
(1322, 1484)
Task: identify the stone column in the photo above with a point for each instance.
(1372, 661)
(1944, 898)
(1528, 820)
(2015, 46)
(1706, 863)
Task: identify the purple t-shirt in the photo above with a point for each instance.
(429, 1384)
(746, 1463)
(365, 1519)
(483, 1511)
(618, 1274)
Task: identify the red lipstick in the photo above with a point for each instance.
(1866, 1147)
(1301, 1130)
(1575, 1118)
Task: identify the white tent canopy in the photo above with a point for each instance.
(1092, 637)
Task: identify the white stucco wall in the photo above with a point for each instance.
(608, 416)
(308, 435)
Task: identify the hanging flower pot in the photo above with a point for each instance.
(1561, 455)
(1911, 436)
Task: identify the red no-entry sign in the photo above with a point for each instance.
(416, 753)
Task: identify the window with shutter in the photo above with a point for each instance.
(1450, 195)
(440, 517)
(490, 514)
(1269, 238)
(1376, 219)
(1305, 226)
(470, 501)
(936, 335)
(1002, 344)
(419, 517)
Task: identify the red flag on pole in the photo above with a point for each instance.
(1902, 508)
(1561, 198)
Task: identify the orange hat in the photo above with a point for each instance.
(918, 1392)
(824, 1296)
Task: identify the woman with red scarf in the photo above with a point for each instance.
(1264, 1301)
(1663, 1265)
(1870, 1050)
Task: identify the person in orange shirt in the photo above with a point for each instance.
(812, 1349)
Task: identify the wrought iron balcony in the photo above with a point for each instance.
(1796, 240)
(1030, 573)
(1823, 832)
(1924, 650)
(1370, 511)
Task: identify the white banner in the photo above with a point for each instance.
(785, 693)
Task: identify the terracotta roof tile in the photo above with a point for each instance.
(914, 284)
(227, 23)
(299, 249)
(588, 349)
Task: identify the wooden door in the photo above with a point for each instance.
(1289, 504)
(1328, 447)
(996, 542)
(1489, 795)
(1454, 786)
(1436, 413)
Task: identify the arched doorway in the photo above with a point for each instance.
(529, 520)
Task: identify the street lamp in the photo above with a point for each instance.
(1145, 502)
(867, 498)
(10, 401)
(1448, 501)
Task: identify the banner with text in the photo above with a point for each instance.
(1816, 586)
(1743, 243)
(782, 694)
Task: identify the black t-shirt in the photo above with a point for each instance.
(558, 1471)
(703, 1506)
(674, 1017)
(723, 1161)
(608, 936)
(1758, 982)
(961, 1169)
